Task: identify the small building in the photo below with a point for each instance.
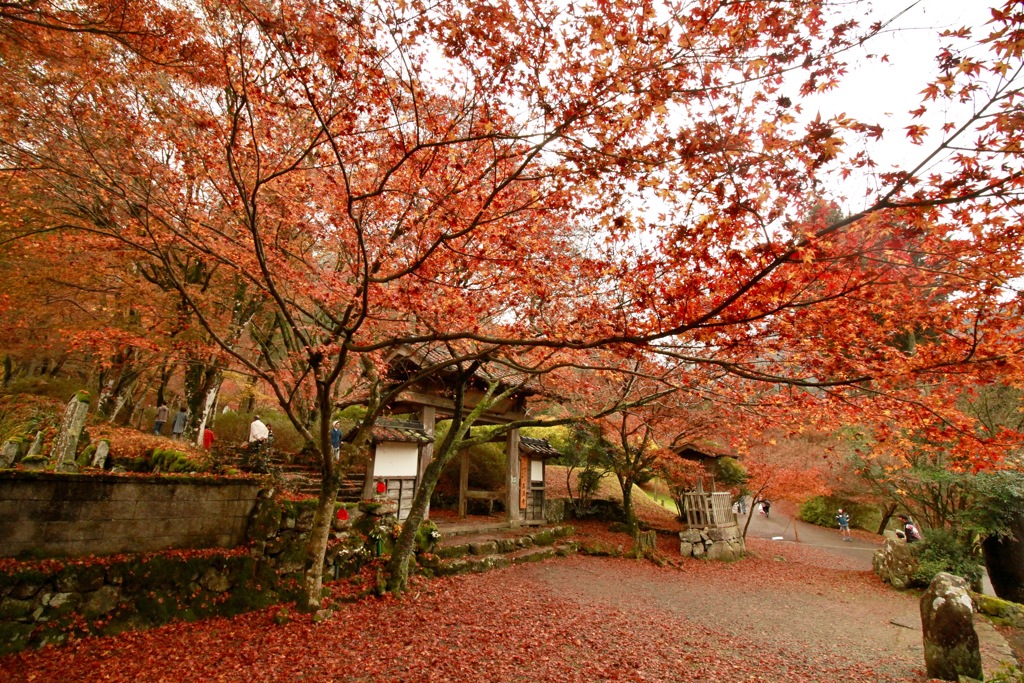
(430, 400)
(699, 508)
(396, 459)
(533, 454)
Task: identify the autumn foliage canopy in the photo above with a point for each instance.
(294, 189)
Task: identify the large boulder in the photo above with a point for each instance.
(895, 563)
(951, 646)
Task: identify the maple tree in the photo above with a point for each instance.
(656, 414)
(602, 175)
(783, 469)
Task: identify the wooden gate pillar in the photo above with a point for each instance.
(428, 417)
(512, 478)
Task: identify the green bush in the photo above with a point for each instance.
(821, 510)
(942, 550)
(232, 428)
(730, 472)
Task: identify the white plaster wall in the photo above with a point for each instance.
(536, 470)
(396, 460)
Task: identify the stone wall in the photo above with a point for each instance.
(68, 515)
(713, 543)
(45, 602)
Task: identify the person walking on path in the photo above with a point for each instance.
(766, 507)
(843, 518)
(336, 439)
(161, 418)
(178, 426)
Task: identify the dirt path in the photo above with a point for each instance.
(778, 612)
(784, 528)
(770, 619)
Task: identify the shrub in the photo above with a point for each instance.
(730, 472)
(942, 550)
(821, 510)
(233, 428)
(24, 415)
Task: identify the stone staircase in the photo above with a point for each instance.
(303, 477)
(473, 553)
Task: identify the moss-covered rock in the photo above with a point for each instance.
(450, 551)
(12, 609)
(1010, 613)
(265, 521)
(483, 548)
(14, 636)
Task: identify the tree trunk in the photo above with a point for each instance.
(887, 511)
(398, 565)
(208, 410)
(627, 506)
(1004, 560)
(165, 379)
(200, 380)
(319, 535)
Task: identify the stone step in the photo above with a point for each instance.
(477, 564)
(498, 541)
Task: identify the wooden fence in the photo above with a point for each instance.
(708, 509)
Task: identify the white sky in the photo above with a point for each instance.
(883, 93)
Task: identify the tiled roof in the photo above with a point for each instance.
(435, 355)
(541, 447)
(704, 448)
(401, 432)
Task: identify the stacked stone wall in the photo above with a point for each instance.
(46, 601)
(50, 515)
(713, 543)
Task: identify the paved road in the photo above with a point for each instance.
(788, 530)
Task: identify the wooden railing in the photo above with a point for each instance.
(708, 509)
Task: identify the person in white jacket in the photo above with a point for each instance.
(258, 431)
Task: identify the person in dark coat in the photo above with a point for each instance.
(178, 426)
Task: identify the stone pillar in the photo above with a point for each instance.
(37, 445)
(9, 453)
(512, 478)
(428, 418)
(99, 459)
(66, 443)
(951, 647)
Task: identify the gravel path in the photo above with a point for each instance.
(777, 609)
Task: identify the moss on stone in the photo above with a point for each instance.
(1011, 613)
(14, 637)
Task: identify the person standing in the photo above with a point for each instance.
(910, 531)
(208, 438)
(161, 418)
(766, 507)
(178, 426)
(843, 518)
(336, 439)
(258, 431)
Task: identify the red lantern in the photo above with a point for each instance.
(342, 514)
(381, 487)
